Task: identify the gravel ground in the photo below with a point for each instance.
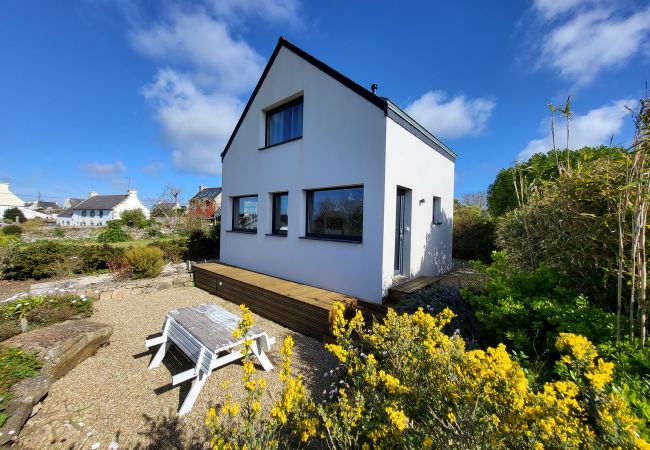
(113, 397)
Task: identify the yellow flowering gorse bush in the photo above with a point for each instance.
(403, 383)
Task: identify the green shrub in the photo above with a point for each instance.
(59, 232)
(15, 365)
(45, 259)
(8, 239)
(10, 215)
(37, 260)
(145, 262)
(174, 250)
(114, 233)
(528, 310)
(632, 375)
(134, 218)
(11, 230)
(97, 257)
(203, 244)
(153, 232)
(474, 233)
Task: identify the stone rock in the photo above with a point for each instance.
(120, 293)
(163, 285)
(60, 348)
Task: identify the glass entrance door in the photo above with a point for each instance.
(399, 230)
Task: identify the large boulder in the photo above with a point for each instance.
(60, 348)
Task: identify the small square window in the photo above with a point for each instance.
(284, 123)
(437, 211)
(280, 213)
(83, 213)
(244, 213)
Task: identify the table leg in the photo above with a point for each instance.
(261, 356)
(197, 385)
(160, 354)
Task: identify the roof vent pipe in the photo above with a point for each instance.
(373, 88)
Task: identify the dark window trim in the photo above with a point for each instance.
(280, 143)
(435, 220)
(329, 237)
(243, 231)
(276, 234)
(274, 230)
(233, 227)
(267, 118)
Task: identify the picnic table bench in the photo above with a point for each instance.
(204, 334)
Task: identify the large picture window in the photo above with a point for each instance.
(244, 217)
(335, 213)
(280, 213)
(284, 123)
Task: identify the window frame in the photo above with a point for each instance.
(274, 225)
(235, 214)
(437, 210)
(324, 236)
(267, 121)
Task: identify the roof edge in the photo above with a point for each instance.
(411, 125)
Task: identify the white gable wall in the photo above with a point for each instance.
(343, 144)
(415, 166)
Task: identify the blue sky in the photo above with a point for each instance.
(101, 94)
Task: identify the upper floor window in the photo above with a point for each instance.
(280, 213)
(284, 123)
(335, 213)
(244, 213)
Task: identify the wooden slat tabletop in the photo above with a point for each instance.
(211, 325)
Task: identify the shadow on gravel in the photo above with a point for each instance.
(166, 433)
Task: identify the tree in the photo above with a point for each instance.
(10, 215)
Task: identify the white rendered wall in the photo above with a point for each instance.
(131, 202)
(414, 165)
(343, 144)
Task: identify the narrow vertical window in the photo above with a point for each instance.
(244, 213)
(284, 123)
(280, 213)
(437, 211)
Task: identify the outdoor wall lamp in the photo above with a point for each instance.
(422, 201)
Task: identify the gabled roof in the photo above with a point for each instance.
(8, 198)
(75, 201)
(207, 193)
(66, 213)
(389, 108)
(100, 202)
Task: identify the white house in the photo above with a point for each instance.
(8, 199)
(327, 184)
(97, 210)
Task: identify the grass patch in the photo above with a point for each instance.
(41, 311)
(15, 365)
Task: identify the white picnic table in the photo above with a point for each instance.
(204, 334)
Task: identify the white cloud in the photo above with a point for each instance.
(154, 168)
(104, 170)
(451, 118)
(272, 10)
(582, 38)
(198, 99)
(196, 123)
(205, 45)
(594, 128)
(553, 8)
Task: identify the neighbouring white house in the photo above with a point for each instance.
(97, 210)
(325, 183)
(8, 199)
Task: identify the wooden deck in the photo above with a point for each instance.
(302, 308)
(401, 291)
